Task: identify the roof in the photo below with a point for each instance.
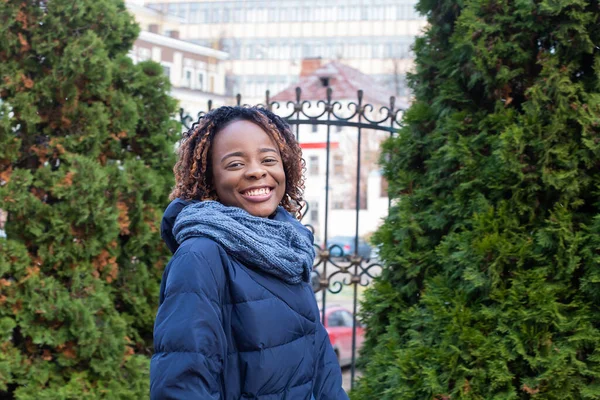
(344, 81)
(182, 45)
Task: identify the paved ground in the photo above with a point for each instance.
(346, 378)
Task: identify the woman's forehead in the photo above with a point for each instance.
(242, 135)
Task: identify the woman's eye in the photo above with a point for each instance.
(270, 160)
(234, 165)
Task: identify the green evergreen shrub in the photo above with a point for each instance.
(492, 282)
(86, 151)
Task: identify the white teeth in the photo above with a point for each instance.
(258, 192)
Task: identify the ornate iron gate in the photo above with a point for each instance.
(333, 269)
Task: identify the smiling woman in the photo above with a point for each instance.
(227, 325)
(199, 164)
(247, 169)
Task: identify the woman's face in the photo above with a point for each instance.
(247, 169)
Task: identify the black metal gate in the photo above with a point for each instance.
(333, 269)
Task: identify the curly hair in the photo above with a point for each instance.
(193, 171)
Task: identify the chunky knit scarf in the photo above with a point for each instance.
(281, 246)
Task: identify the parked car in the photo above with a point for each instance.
(375, 253)
(338, 323)
(344, 246)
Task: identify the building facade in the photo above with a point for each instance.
(196, 73)
(267, 39)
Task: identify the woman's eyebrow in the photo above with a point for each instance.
(267, 150)
(242, 154)
(234, 154)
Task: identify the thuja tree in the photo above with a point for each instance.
(86, 148)
(492, 282)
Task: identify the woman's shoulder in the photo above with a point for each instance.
(198, 244)
(194, 261)
(201, 251)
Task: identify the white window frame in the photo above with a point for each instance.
(184, 81)
(313, 168)
(170, 66)
(200, 84)
(144, 54)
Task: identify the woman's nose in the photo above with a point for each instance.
(256, 171)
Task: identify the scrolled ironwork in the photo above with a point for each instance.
(185, 118)
(322, 254)
(306, 104)
(301, 112)
(398, 117)
(326, 105)
(365, 273)
(347, 270)
(340, 107)
(334, 287)
(382, 109)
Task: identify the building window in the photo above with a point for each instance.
(314, 212)
(167, 71)
(251, 15)
(390, 13)
(187, 77)
(236, 15)
(200, 83)
(296, 51)
(215, 16)
(364, 15)
(226, 16)
(337, 205)
(338, 165)
(313, 166)
(131, 54)
(144, 54)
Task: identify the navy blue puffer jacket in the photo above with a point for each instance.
(225, 331)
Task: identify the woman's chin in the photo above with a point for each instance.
(262, 212)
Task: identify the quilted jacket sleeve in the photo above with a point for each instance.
(328, 382)
(189, 341)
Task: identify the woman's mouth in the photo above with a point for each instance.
(258, 194)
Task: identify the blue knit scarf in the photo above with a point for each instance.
(281, 246)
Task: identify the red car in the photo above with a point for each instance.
(338, 323)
